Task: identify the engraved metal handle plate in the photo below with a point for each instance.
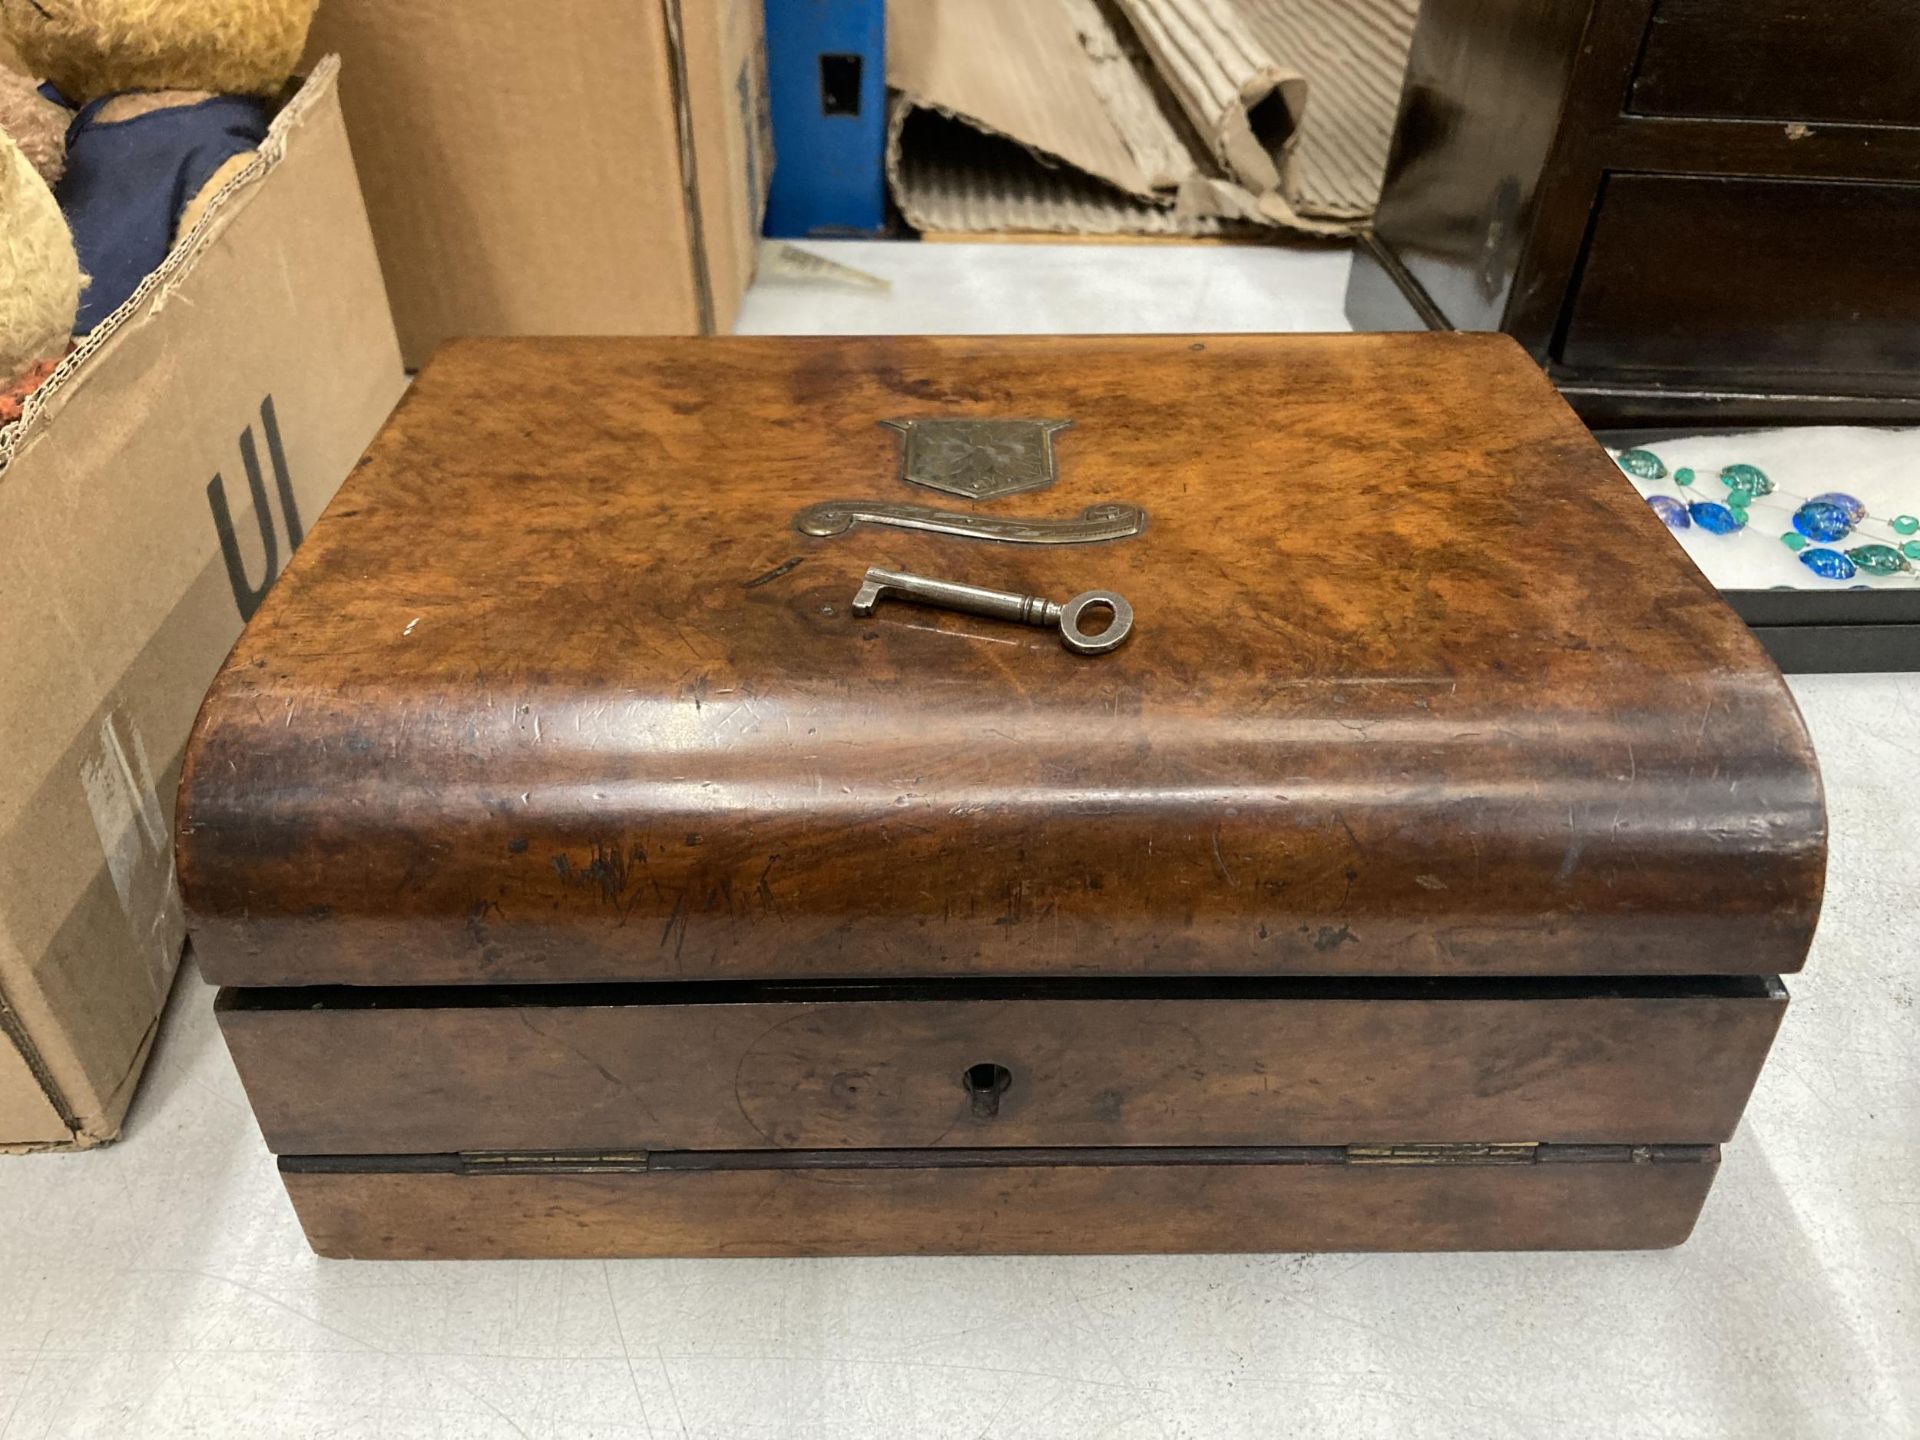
(1004, 605)
(1111, 521)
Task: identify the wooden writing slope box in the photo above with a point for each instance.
(588, 880)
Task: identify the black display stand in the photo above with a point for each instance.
(1808, 631)
(1820, 632)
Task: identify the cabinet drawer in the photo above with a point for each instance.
(962, 1064)
(1695, 275)
(1774, 60)
(996, 1203)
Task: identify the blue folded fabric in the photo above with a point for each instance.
(128, 182)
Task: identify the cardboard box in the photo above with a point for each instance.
(148, 496)
(580, 169)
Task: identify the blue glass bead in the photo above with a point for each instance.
(1878, 559)
(1747, 479)
(1821, 520)
(1855, 511)
(1716, 519)
(1641, 464)
(1827, 564)
(1671, 511)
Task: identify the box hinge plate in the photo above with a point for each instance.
(488, 1162)
(1454, 1154)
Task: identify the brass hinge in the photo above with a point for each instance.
(553, 1162)
(1457, 1154)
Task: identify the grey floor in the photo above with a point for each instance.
(160, 1288)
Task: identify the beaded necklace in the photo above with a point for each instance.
(1823, 520)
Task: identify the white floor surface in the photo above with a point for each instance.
(160, 1287)
(944, 289)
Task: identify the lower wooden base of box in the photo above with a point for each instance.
(1521, 1197)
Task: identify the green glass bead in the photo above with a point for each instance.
(1747, 480)
(1878, 559)
(1911, 549)
(1905, 524)
(1683, 476)
(1641, 464)
(1794, 541)
(1739, 511)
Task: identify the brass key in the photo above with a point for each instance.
(1004, 605)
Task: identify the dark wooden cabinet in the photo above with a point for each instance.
(1688, 211)
(1856, 63)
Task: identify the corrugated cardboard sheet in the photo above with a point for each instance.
(573, 169)
(149, 494)
(1176, 117)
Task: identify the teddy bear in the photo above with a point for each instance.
(34, 123)
(39, 272)
(165, 101)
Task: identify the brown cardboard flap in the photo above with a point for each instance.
(1053, 78)
(1245, 103)
(1034, 117)
(521, 166)
(731, 131)
(27, 1116)
(557, 169)
(950, 176)
(148, 496)
(1354, 55)
(1187, 117)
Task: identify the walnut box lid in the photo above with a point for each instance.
(556, 691)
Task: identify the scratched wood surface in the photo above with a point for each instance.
(1418, 686)
(428, 1075)
(1067, 1209)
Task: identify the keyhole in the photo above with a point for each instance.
(986, 1083)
